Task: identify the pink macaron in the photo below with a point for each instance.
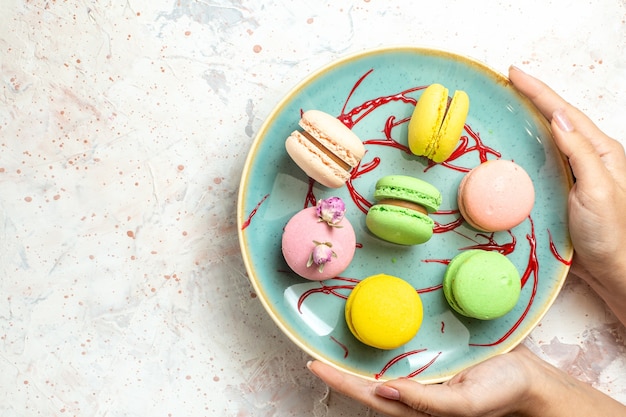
(319, 242)
(496, 195)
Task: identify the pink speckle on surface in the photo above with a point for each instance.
(126, 129)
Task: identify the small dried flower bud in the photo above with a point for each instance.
(331, 210)
(321, 254)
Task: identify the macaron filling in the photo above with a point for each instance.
(401, 212)
(343, 164)
(430, 198)
(404, 204)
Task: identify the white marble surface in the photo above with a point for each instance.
(124, 125)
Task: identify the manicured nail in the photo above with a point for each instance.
(387, 392)
(562, 121)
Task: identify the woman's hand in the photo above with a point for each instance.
(597, 201)
(497, 387)
(512, 384)
(518, 383)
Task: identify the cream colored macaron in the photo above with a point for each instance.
(326, 150)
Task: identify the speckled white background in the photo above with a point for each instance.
(124, 126)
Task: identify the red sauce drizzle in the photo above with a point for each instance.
(492, 245)
(310, 199)
(396, 360)
(344, 347)
(423, 368)
(328, 289)
(404, 356)
(447, 227)
(430, 289)
(253, 212)
(556, 253)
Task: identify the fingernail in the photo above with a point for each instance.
(387, 392)
(308, 364)
(562, 121)
(516, 68)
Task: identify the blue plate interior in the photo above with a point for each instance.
(374, 93)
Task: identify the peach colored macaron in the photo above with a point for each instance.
(496, 195)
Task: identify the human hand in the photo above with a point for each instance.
(514, 384)
(499, 386)
(597, 201)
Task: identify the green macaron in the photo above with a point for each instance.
(481, 284)
(400, 214)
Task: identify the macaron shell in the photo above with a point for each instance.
(403, 187)
(452, 127)
(436, 126)
(427, 118)
(399, 225)
(298, 238)
(482, 284)
(384, 311)
(314, 162)
(496, 195)
(450, 274)
(334, 135)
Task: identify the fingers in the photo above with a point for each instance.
(431, 400)
(548, 101)
(586, 164)
(576, 135)
(362, 390)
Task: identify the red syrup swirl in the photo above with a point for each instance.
(253, 212)
(328, 289)
(405, 355)
(341, 345)
(447, 227)
(555, 252)
(310, 199)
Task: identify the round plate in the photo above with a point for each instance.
(374, 93)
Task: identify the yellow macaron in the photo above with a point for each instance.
(384, 311)
(437, 122)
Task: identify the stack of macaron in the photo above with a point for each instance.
(437, 122)
(326, 150)
(319, 242)
(400, 214)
